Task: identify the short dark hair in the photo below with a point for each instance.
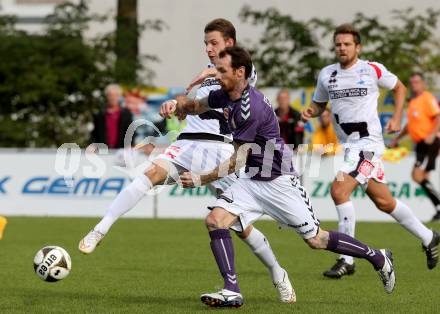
(223, 26)
(239, 58)
(348, 29)
(419, 74)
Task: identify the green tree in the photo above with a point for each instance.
(47, 82)
(126, 47)
(129, 65)
(290, 52)
(51, 83)
(404, 46)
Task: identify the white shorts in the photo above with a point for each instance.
(283, 199)
(199, 156)
(363, 165)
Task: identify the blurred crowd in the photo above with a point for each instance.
(123, 107)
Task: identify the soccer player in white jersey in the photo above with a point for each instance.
(205, 140)
(269, 184)
(352, 88)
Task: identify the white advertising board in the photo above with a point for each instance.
(31, 186)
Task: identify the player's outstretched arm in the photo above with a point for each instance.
(314, 110)
(209, 72)
(399, 94)
(234, 163)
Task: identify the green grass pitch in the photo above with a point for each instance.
(162, 266)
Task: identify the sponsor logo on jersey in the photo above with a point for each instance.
(349, 92)
(210, 82)
(333, 79)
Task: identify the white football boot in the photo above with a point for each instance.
(223, 298)
(88, 244)
(285, 289)
(386, 274)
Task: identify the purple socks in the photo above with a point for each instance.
(223, 250)
(346, 245)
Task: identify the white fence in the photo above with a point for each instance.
(30, 186)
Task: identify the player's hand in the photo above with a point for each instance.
(393, 125)
(307, 114)
(210, 72)
(430, 139)
(190, 180)
(168, 108)
(180, 115)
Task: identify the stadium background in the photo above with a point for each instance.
(30, 185)
(173, 74)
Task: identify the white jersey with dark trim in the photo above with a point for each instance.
(212, 121)
(353, 95)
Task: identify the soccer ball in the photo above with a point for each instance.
(52, 263)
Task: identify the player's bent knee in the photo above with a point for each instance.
(156, 174)
(314, 243)
(216, 219)
(210, 221)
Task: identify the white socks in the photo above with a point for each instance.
(409, 221)
(261, 248)
(126, 200)
(346, 223)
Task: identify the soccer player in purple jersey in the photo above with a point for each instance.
(205, 138)
(269, 186)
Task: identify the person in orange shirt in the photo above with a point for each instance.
(325, 135)
(3, 223)
(423, 125)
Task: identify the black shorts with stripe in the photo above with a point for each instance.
(426, 154)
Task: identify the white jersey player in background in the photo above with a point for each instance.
(352, 87)
(201, 146)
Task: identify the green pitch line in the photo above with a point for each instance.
(162, 266)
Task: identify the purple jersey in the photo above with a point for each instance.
(252, 120)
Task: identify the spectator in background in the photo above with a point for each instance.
(291, 126)
(3, 222)
(325, 135)
(423, 125)
(111, 124)
(140, 109)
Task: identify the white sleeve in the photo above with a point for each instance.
(253, 78)
(320, 95)
(202, 93)
(385, 78)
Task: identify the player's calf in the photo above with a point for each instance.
(344, 244)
